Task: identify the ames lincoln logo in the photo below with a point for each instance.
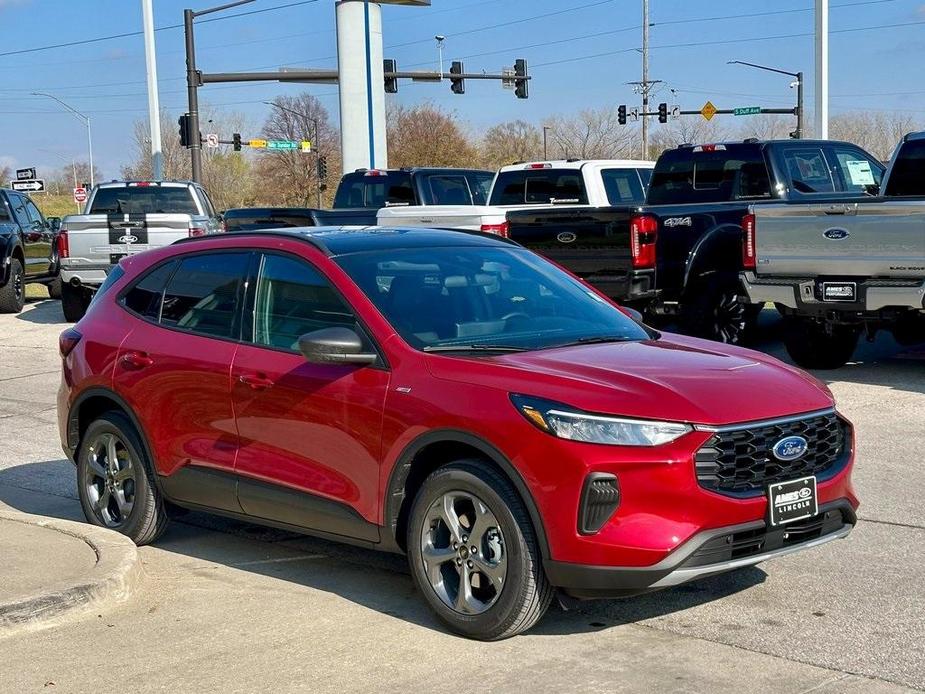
(836, 234)
(790, 448)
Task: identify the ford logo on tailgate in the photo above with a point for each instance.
(567, 237)
(790, 448)
(128, 238)
(836, 234)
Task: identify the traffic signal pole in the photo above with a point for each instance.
(192, 92)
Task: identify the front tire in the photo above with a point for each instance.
(474, 554)
(74, 302)
(115, 480)
(13, 293)
(811, 346)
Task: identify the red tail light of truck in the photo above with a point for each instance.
(502, 229)
(643, 235)
(749, 256)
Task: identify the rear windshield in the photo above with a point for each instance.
(735, 172)
(624, 186)
(463, 188)
(143, 199)
(539, 187)
(255, 220)
(908, 175)
(361, 190)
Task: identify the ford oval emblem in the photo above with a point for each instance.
(128, 238)
(567, 237)
(836, 234)
(790, 448)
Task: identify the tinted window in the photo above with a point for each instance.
(859, 172)
(4, 213)
(684, 175)
(143, 199)
(623, 186)
(144, 298)
(294, 299)
(204, 294)
(539, 186)
(456, 297)
(807, 171)
(375, 190)
(254, 220)
(19, 209)
(35, 217)
(114, 276)
(448, 190)
(480, 185)
(908, 174)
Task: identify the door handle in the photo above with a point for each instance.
(135, 361)
(255, 381)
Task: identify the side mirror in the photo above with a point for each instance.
(335, 346)
(872, 189)
(54, 223)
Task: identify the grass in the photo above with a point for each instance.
(54, 205)
(36, 291)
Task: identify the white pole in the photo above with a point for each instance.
(154, 109)
(822, 70)
(90, 150)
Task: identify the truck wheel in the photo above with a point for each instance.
(474, 554)
(13, 294)
(714, 309)
(74, 302)
(812, 347)
(54, 288)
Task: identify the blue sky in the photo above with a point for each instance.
(871, 68)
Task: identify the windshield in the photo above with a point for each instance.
(142, 200)
(483, 298)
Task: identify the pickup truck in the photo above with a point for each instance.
(256, 218)
(836, 268)
(123, 218)
(678, 256)
(27, 250)
(572, 183)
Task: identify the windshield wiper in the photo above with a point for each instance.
(475, 348)
(593, 340)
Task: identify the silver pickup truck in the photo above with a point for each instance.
(835, 269)
(123, 218)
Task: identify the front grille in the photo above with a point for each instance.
(739, 462)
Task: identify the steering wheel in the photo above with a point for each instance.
(515, 314)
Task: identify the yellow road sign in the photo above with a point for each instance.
(257, 143)
(306, 146)
(708, 110)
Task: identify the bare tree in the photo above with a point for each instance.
(175, 157)
(592, 134)
(877, 132)
(693, 129)
(767, 126)
(425, 135)
(509, 142)
(6, 175)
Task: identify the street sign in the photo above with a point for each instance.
(282, 144)
(259, 144)
(36, 185)
(746, 111)
(708, 110)
(306, 146)
(507, 78)
(675, 112)
(211, 140)
(80, 195)
(634, 114)
(25, 174)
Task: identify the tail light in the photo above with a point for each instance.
(643, 234)
(67, 341)
(64, 249)
(195, 231)
(502, 229)
(749, 256)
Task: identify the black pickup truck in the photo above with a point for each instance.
(680, 254)
(27, 250)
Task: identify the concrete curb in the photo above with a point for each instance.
(112, 580)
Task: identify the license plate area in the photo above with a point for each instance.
(792, 501)
(839, 291)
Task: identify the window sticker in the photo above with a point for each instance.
(859, 172)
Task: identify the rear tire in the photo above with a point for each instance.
(476, 500)
(54, 288)
(13, 293)
(812, 347)
(714, 309)
(74, 302)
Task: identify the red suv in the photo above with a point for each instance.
(448, 395)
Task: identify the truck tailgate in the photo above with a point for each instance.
(882, 238)
(106, 238)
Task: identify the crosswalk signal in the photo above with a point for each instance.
(184, 123)
(663, 113)
(521, 90)
(390, 66)
(621, 114)
(457, 84)
(236, 141)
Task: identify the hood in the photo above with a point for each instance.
(672, 378)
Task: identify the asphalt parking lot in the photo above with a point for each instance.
(231, 607)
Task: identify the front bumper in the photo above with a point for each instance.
(802, 294)
(705, 554)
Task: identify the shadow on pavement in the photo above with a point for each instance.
(376, 580)
(42, 312)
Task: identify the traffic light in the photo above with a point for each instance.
(621, 114)
(663, 113)
(391, 83)
(322, 168)
(236, 141)
(184, 123)
(521, 88)
(457, 84)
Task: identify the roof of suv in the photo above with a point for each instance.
(579, 163)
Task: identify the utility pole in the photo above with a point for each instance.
(192, 88)
(645, 78)
(154, 109)
(822, 69)
(546, 129)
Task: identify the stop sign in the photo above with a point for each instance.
(80, 194)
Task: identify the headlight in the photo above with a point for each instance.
(567, 423)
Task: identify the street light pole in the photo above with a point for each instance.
(85, 119)
(798, 133)
(546, 128)
(154, 109)
(315, 136)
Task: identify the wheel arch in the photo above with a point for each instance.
(719, 250)
(431, 451)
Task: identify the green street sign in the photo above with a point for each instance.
(283, 144)
(746, 111)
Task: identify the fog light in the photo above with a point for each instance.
(600, 497)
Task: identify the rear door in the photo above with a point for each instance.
(36, 235)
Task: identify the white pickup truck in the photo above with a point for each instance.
(123, 218)
(571, 182)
